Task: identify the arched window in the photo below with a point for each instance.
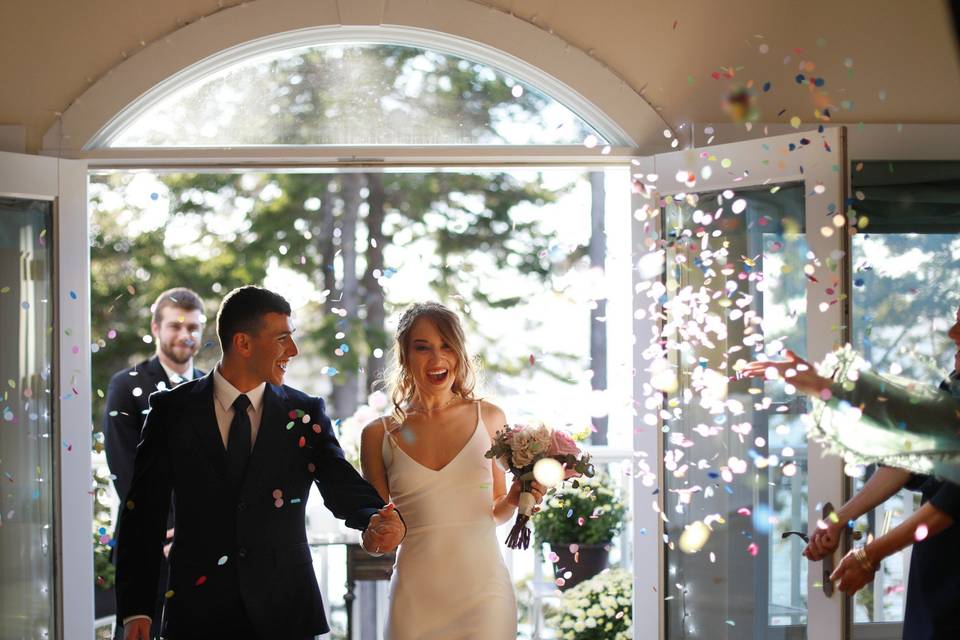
(353, 94)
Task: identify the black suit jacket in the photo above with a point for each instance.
(228, 547)
(125, 413)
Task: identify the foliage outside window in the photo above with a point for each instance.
(348, 94)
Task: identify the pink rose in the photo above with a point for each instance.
(563, 444)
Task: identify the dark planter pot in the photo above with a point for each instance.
(590, 560)
(104, 602)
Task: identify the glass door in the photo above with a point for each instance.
(751, 252)
(45, 531)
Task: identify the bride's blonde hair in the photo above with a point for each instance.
(399, 380)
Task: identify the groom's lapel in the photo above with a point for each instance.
(204, 418)
(270, 434)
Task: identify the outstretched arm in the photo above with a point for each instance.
(929, 520)
(885, 482)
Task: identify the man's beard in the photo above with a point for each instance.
(168, 351)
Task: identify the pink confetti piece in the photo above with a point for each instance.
(753, 549)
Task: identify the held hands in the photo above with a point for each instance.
(137, 629)
(384, 531)
(794, 370)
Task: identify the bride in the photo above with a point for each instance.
(450, 581)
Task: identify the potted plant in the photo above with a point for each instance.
(597, 609)
(579, 522)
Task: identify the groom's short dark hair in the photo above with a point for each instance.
(242, 311)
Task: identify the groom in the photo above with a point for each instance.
(239, 450)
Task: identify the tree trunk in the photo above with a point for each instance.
(323, 239)
(598, 328)
(346, 392)
(373, 298)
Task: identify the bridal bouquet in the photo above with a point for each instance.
(539, 453)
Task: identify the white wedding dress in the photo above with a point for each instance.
(449, 581)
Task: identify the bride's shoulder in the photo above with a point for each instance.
(375, 429)
(493, 416)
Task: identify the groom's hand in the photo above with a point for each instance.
(384, 531)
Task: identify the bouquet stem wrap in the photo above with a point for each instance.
(519, 537)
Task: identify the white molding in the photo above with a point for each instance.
(64, 183)
(456, 26)
(74, 376)
(308, 156)
(648, 548)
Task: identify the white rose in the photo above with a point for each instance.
(520, 449)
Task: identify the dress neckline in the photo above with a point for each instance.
(473, 435)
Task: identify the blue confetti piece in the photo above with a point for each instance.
(73, 295)
(154, 196)
(766, 87)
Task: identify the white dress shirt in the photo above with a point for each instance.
(224, 395)
(176, 378)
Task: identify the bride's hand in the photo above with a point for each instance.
(537, 489)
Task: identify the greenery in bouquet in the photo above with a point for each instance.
(596, 609)
(588, 511)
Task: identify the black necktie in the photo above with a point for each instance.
(238, 441)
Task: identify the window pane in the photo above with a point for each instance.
(356, 94)
(735, 469)
(26, 425)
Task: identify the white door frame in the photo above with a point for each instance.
(64, 183)
(770, 161)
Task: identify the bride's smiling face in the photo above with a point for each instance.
(430, 359)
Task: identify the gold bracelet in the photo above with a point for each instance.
(861, 555)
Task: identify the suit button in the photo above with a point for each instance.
(242, 552)
(242, 506)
